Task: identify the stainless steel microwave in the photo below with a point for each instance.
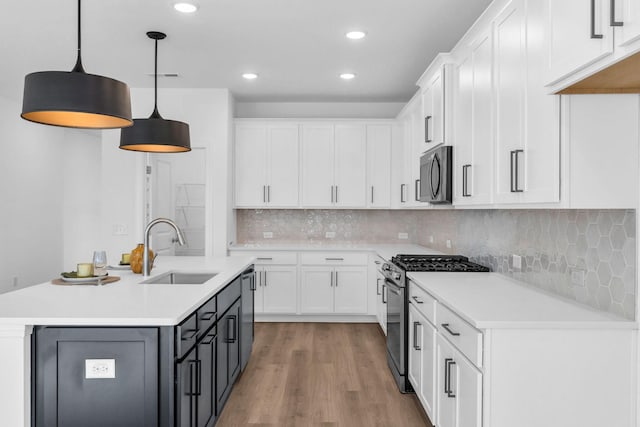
(436, 175)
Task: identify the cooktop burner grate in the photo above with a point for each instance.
(437, 263)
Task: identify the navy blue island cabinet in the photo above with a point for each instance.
(165, 376)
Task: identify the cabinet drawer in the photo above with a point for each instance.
(461, 334)
(423, 302)
(228, 295)
(206, 316)
(186, 335)
(333, 258)
(266, 258)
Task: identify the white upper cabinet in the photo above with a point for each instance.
(379, 166)
(527, 136)
(473, 123)
(435, 98)
(579, 34)
(266, 159)
(317, 165)
(588, 36)
(350, 165)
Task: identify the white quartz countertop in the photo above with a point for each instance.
(491, 300)
(386, 251)
(125, 302)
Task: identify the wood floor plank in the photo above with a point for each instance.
(319, 375)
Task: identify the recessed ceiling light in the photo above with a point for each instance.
(347, 76)
(356, 35)
(250, 76)
(185, 7)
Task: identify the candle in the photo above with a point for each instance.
(85, 269)
(126, 258)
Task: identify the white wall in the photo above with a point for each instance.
(31, 187)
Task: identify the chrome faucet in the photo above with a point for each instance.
(146, 266)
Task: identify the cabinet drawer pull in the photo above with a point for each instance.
(415, 336)
(593, 21)
(418, 300)
(446, 327)
(334, 259)
(448, 363)
(264, 259)
(208, 315)
(188, 334)
(211, 338)
(612, 16)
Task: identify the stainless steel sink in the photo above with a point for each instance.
(179, 278)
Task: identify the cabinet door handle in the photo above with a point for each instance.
(465, 181)
(415, 336)
(417, 190)
(514, 171)
(448, 363)
(612, 20)
(384, 288)
(403, 189)
(188, 334)
(336, 276)
(378, 286)
(426, 129)
(264, 194)
(211, 338)
(208, 315)
(418, 300)
(198, 377)
(372, 194)
(192, 378)
(336, 194)
(268, 194)
(334, 259)
(231, 339)
(593, 21)
(265, 278)
(252, 284)
(264, 259)
(448, 329)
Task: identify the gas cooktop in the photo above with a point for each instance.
(437, 263)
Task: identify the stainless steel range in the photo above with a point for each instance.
(398, 303)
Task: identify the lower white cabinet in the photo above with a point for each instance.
(276, 289)
(327, 290)
(459, 388)
(422, 358)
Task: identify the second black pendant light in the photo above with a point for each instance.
(156, 134)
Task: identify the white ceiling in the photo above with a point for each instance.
(296, 46)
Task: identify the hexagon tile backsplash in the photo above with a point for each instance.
(585, 255)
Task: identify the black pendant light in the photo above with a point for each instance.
(155, 134)
(76, 99)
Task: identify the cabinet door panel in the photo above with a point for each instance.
(468, 393)
(571, 46)
(233, 338)
(316, 290)
(379, 165)
(350, 286)
(416, 326)
(251, 165)
(463, 93)
(317, 165)
(350, 165)
(259, 292)
(446, 402)
(186, 402)
(280, 289)
(206, 398)
(437, 98)
(510, 97)
(283, 165)
(428, 372)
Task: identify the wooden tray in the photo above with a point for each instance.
(105, 281)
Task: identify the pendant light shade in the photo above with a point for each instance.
(76, 99)
(156, 134)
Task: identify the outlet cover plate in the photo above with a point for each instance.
(99, 368)
(330, 234)
(403, 236)
(516, 262)
(267, 235)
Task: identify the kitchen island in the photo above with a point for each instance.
(125, 303)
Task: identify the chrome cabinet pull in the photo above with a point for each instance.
(593, 21)
(403, 189)
(378, 286)
(332, 194)
(268, 194)
(231, 339)
(415, 336)
(448, 329)
(336, 194)
(372, 194)
(336, 276)
(465, 181)
(417, 189)
(418, 300)
(448, 363)
(612, 17)
(515, 185)
(264, 194)
(426, 129)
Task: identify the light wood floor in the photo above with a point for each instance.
(319, 374)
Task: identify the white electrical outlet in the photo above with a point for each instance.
(431, 239)
(516, 262)
(99, 368)
(330, 234)
(449, 243)
(267, 235)
(577, 277)
(403, 236)
(120, 230)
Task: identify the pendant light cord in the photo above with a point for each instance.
(78, 67)
(155, 114)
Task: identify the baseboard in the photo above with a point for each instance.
(315, 318)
